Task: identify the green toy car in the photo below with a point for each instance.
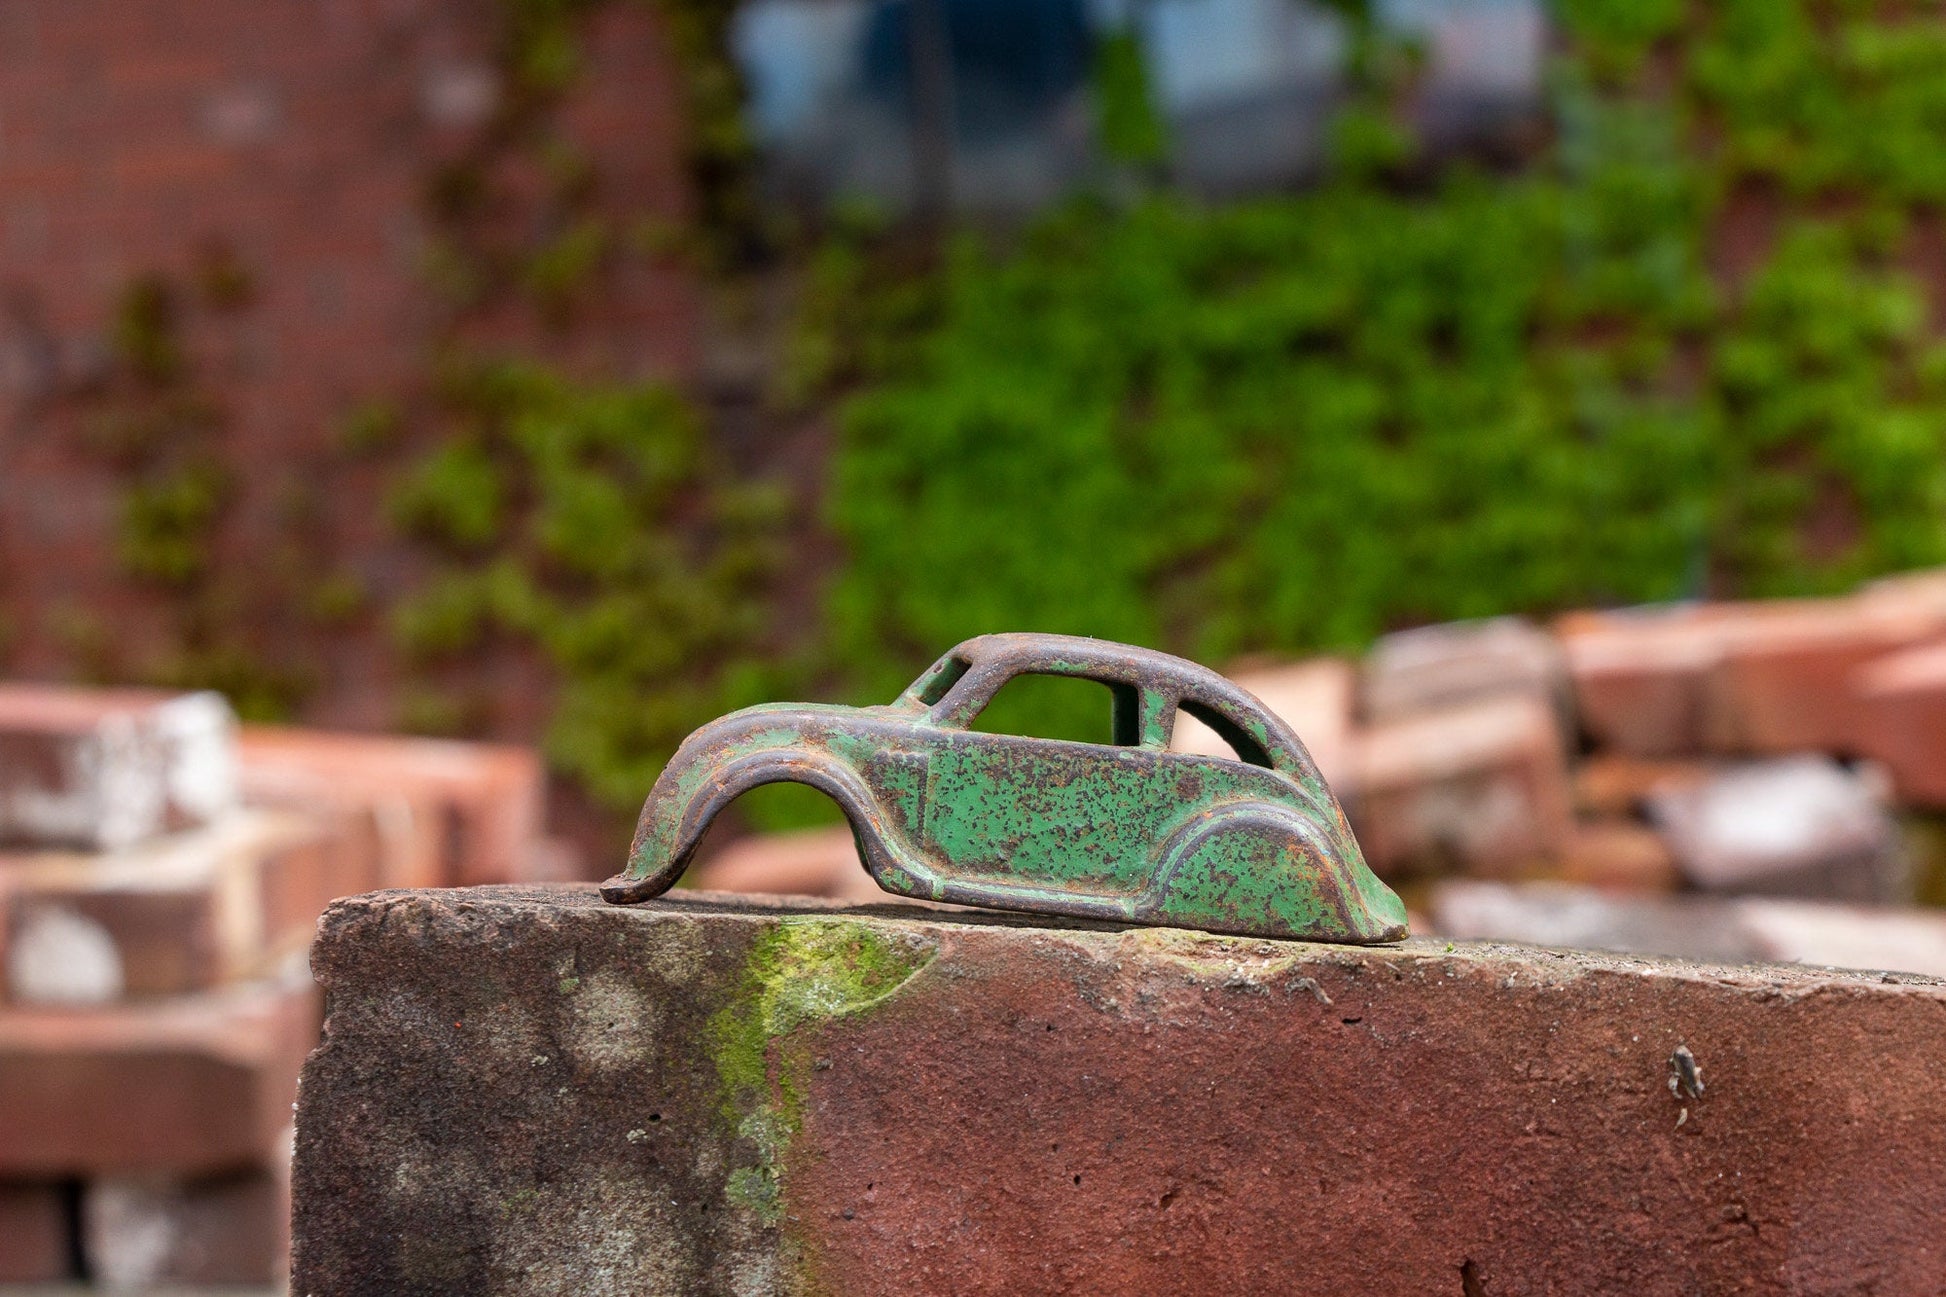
(1128, 832)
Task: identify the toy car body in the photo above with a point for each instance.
(1128, 832)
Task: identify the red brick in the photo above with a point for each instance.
(1313, 697)
(1482, 788)
(1641, 676)
(139, 1232)
(1612, 786)
(489, 797)
(105, 768)
(1618, 855)
(1012, 1108)
(186, 1085)
(1433, 667)
(1784, 683)
(33, 1233)
(177, 914)
(1902, 698)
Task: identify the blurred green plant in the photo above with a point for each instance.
(591, 522)
(1293, 423)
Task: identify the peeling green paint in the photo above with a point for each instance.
(799, 974)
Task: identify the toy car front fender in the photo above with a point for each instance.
(718, 764)
(1267, 870)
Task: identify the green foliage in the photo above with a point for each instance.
(167, 523)
(589, 522)
(1297, 422)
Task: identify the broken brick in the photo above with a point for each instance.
(181, 913)
(1481, 788)
(1455, 663)
(1797, 826)
(98, 769)
(483, 803)
(188, 1084)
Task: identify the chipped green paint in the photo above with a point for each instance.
(800, 973)
(1129, 831)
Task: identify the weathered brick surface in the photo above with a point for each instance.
(521, 1091)
(186, 1085)
(1480, 788)
(1313, 697)
(33, 1233)
(488, 799)
(105, 768)
(182, 913)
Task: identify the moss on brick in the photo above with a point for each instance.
(800, 974)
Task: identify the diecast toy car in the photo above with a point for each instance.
(1128, 832)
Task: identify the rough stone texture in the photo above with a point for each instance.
(33, 1233)
(1800, 826)
(1694, 927)
(100, 769)
(489, 799)
(1481, 788)
(186, 1085)
(1432, 667)
(530, 1092)
(182, 913)
(1313, 697)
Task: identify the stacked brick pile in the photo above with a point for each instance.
(1789, 748)
(161, 874)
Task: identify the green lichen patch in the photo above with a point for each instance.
(800, 974)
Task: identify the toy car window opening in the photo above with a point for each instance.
(934, 685)
(1248, 749)
(1124, 729)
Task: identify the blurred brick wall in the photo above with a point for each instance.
(144, 137)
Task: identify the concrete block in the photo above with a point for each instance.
(1480, 788)
(521, 1089)
(98, 769)
(1456, 663)
(181, 913)
(186, 1085)
(1798, 826)
(34, 1244)
(1313, 697)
